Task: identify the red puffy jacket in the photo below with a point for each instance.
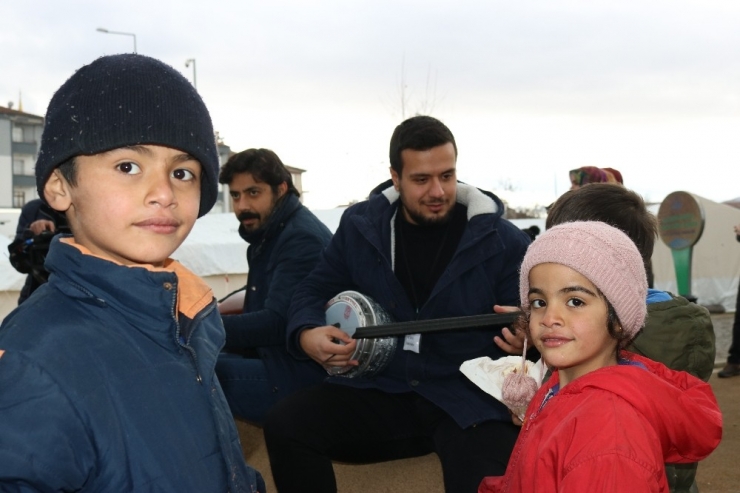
(612, 430)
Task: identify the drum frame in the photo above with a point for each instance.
(373, 354)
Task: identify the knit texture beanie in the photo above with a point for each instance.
(602, 254)
(125, 100)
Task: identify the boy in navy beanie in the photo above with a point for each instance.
(107, 370)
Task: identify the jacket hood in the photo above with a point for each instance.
(476, 200)
(681, 408)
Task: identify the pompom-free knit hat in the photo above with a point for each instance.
(602, 254)
(124, 100)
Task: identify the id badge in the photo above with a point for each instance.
(411, 342)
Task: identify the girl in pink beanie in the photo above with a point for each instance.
(607, 420)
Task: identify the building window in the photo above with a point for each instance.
(19, 199)
(17, 134)
(21, 167)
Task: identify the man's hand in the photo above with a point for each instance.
(324, 345)
(512, 343)
(41, 225)
(737, 229)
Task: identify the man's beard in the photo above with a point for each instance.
(243, 216)
(420, 220)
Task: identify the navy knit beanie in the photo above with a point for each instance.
(124, 100)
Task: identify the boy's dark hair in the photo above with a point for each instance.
(612, 204)
(69, 171)
(419, 133)
(263, 164)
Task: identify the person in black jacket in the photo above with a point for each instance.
(285, 243)
(37, 224)
(426, 247)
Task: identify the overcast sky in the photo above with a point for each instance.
(530, 89)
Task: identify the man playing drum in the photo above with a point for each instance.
(426, 247)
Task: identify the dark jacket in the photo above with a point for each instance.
(483, 271)
(680, 335)
(280, 255)
(29, 251)
(106, 387)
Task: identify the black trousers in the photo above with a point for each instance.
(734, 353)
(306, 431)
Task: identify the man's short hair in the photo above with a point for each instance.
(612, 204)
(419, 133)
(263, 164)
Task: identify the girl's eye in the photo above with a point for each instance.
(129, 168)
(575, 302)
(537, 303)
(183, 174)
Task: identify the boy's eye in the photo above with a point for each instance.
(183, 174)
(575, 302)
(129, 168)
(537, 303)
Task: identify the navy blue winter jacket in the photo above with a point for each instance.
(280, 256)
(107, 384)
(483, 271)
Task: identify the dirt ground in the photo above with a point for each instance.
(718, 473)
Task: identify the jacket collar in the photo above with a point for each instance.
(138, 292)
(477, 201)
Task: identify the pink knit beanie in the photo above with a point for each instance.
(602, 254)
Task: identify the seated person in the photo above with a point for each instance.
(426, 247)
(285, 244)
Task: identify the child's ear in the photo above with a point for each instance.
(57, 193)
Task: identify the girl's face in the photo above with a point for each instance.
(568, 322)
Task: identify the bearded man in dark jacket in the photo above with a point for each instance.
(427, 247)
(285, 243)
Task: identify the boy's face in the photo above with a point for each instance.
(568, 321)
(133, 205)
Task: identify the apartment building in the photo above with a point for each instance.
(20, 137)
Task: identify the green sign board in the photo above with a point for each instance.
(681, 223)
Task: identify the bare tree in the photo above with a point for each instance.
(404, 97)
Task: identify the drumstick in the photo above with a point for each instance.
(435, 325)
